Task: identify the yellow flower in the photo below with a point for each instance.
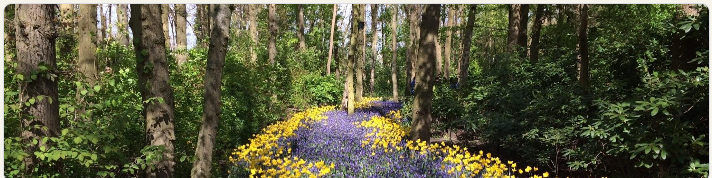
(510, 162)
(536, 168)
(528, 169)
(520, 171)
(546, 174)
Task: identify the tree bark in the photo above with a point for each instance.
(438, 56)
(164, 19)
(253, 10)
(361, 54)
(448, 40)
(536, 33)
(213, 79)
(583, 68)
(153, 81)
(300, 33)
(35, 27)
(374, 44)
(422, 105)
(331, 39)
(524, 19)
(122, 24)
(67, 30)
(356, 12)
(514, 26)
(272, 48)
(394, 53)
(181, 38)
(466, 44)
(100, 31)
(87, 46)
(412, 47)
(10, 40)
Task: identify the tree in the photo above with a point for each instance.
(123, 23)
(394, 52)
(515, 28)
(360, 20)
(524, 18)
(66, 12)
(153, 81)
(331, 40)
(181, 39)
(102, 32)
(448, 40)
(466, 44)
(272, 48)
(87, 46)
(164, 19)
(300, 22)
(412, 47)
(356, 12)
(36, 35)
(422, 105)
(213, 78)
(536, 33)
(583, 67)
(374, 41)
(253, 10)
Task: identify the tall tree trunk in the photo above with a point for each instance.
(123, 23)
(153, 81)
(100, 31)
(524, 19)
(514, 26)
(67, 30)
(10, 40)
(272, 48)
(35, 27)
(87, 46)
(422, 105)
(213, 79)
(253, 9)
(466, 44)
(536, 33)
(356, 11)
(164, 19)
(361, 53)
(300, 22)
(331, 39)
(181, 38)
(438, 57)
(583, 68)
(394, 53)
(412, 47)
(448, 40)
(108, 24)
(374, 44)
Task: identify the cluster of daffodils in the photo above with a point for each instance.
(266, 158)
(366, 102)
(385, 134)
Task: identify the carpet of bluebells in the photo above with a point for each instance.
(325, 142)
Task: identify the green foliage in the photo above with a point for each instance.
(314, 89)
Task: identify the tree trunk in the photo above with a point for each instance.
(356, 11)
(181, 38)
(213, 79)
(35, 27)
(466, 44)
(122, 24)
(100, 31)
(361, 54)
(514, 26)
(67, 30)
(374, 44)
(253, 9)
(272, 48)
(536, 33)
(300, 33)
(422, 104)
(412, 48)
(583, 68)
(438, 56)
(153, 81)
(394, 53)
(10, 49)
(87, 46)
(331, 40)
(164, 19)
(524, 19)
(448, 40)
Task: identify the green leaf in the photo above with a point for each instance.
(112, 82)
(93, 157)
(65, 131)
(97, 88)
(40, 97)
(84, 92)
(77, 140)
(654, 112)
(647, 150)
(32, 101)
(663, 154)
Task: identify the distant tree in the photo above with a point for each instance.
(412, 50)
(536, 33)
(394, 51)
(300, 32)
(515, 27)
(252, 17)
(448, 40)
(153, 82)
(87, 45)
(374, 44)
(181, 39)
(422, 105)
(213, 79)
(361, 53)
(583, 63)
(104, 26)
(36, 35)
(164, 18)
(331, 40)
(123, 24)
(466, 44)
(272, 48)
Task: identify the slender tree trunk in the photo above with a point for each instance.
(361, 53)
(331, 39)
(153, 81)
(164, 19)
(272, 48)
(412, 48)
(394, 42)
(466, 44)
(87, 46)
(356, 28)
(514, 26)
(181, 38)
(123, 23)
(300, 22)
(374, 44)
(422, 105)
(536, 33)
(67, 30)
(448, 40)
(253, 10)
(438, 57)
(35, 27)
(524, 19)
(100, 31)
(108, 24)
(213, 79)
(583, 68)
